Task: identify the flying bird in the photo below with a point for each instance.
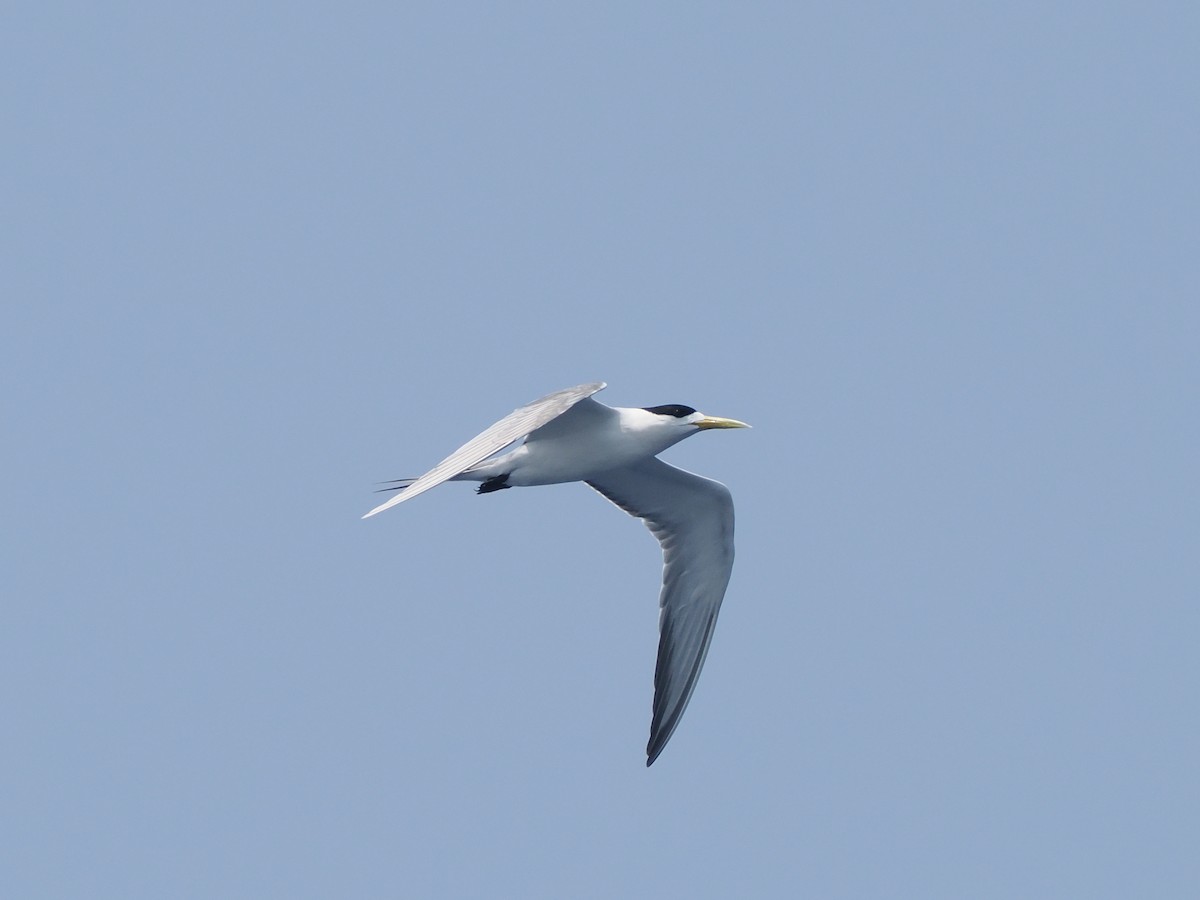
(570, 437)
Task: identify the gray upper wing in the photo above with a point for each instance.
(512, 427)
(692, 517)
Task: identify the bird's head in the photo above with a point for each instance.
(684, 421)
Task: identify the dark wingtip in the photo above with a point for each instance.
(653, 752)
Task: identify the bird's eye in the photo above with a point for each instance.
(671, 409)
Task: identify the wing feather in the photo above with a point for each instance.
(692, 517)
(512, 427)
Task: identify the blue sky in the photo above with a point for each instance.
(943, 257)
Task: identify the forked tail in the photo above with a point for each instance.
(401, 484)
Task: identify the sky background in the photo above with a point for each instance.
(943, 257)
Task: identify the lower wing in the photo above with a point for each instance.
(692, 517)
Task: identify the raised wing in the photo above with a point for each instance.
(692, 517)
(512, 427)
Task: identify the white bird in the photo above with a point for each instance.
(570, 437)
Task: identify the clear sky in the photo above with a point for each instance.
(942, 256)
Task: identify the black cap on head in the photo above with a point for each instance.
(671, 409)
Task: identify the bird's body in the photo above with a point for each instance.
(586, 440)
(570, 437)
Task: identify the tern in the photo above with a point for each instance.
(570, 437)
